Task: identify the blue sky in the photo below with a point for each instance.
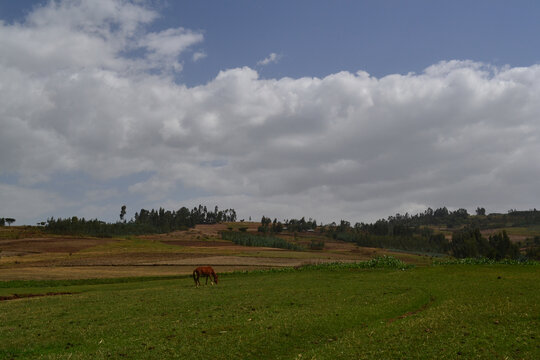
(318, 38)
(328, 109)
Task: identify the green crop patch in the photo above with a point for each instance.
(319, 312)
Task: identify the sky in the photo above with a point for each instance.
(333, 110)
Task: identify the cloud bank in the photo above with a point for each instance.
(92, 118)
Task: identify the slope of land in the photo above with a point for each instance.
(29, 253)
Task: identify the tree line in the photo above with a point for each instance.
(291, 225)
(144, 222)
(388, 235)
(166, 220)
(417, 233)
(470, 243)
(460, 218)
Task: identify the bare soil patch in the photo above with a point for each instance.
(49, 245)
(248, 261)
(199, 243)
(24, 296)
(414, 312)
(120, 259)
(202, 232)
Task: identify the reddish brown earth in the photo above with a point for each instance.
(48, 245)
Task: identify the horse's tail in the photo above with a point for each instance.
(195, 273)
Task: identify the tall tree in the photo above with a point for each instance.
(123, 212)
(480, 211)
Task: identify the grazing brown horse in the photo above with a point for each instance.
(206, 271)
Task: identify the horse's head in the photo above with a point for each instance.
(215, 278)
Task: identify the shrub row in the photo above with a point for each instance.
(381, 262)
(484, 261)
(247, 239)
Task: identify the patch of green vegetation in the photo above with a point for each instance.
(530, 231)
(144, 222)
(381, 262)
(20, 232)
(485, 261)
(442, 312)
(247, 239)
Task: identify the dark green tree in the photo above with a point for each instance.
(465, 243)
(502, 247)
(123, 212)
(480, 211)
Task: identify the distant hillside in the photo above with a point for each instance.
(455, 233)
(435, 232)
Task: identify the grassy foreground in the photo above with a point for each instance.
(442, 312)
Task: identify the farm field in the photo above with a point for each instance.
(435, 312)
(29, 254)
(132, 297)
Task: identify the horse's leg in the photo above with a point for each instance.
(206, 279)
(196, 278)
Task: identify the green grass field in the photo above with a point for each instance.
(440, 312)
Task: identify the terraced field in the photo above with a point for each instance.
(27, 253)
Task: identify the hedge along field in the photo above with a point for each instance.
(443, 312)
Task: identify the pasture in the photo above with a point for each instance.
(434, 312)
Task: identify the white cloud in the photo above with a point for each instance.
(272, 58)
(351, 146)
(64, 36)
(166, 46)
(199, 55)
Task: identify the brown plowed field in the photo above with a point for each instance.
(48, 245)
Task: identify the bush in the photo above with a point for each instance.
(247, 239)
(382, 262)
